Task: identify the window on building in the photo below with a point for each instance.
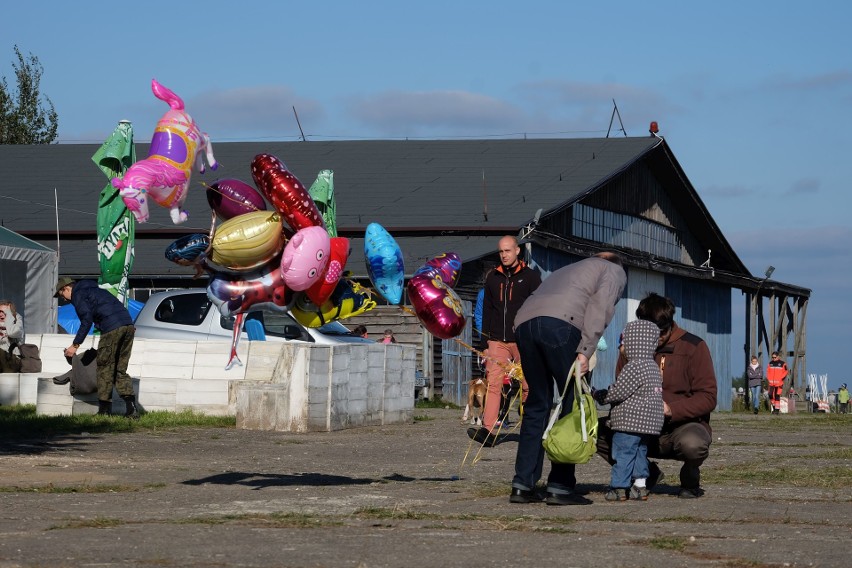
(621, 230)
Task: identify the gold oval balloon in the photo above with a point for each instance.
(248, 241)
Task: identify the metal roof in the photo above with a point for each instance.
(430, 184)
(433, 195)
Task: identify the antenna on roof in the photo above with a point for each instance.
(611, 118)
(707, 264)
(56, 205)
(302, 132)
(527, 231)
(484, 198)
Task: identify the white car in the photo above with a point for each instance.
(189, 314)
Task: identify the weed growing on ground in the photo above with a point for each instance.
(52, 489)
(434, 403)
(668, 543)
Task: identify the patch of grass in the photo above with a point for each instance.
(680, 519)
(96, 523)
(385, 513)
(771, 473)
(677, 543)
(485, 490)
(836, 454)
(20, 422)
(267, 520)
(52, 489)
(554, 530)
(434, 403)
(422, 418)
(784, 422)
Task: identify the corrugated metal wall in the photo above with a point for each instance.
(704, 308)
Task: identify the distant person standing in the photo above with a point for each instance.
(97, 306)
(388, 338)
(506, 289)
(843, 399)
(776, 373)
(360, 331)
(754, 374)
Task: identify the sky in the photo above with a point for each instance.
(753, 98)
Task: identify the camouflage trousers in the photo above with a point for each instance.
(114, 350)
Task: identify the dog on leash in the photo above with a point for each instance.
(475, 402)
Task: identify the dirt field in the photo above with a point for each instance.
(778, 494)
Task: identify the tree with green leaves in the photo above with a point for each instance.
(24, 117)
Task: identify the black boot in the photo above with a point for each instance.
(105, 407)
(130, 402)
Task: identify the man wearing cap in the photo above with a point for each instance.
(97, 306)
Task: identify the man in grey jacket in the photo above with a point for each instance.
(561, 322)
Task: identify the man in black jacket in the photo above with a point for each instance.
(506, 289)
(97, 306)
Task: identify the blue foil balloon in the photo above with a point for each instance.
(384, 263)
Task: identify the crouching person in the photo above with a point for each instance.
(97, 306)
(689, 396)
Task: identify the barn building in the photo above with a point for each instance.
(565, 198)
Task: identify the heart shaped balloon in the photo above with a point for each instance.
(447, 266)
(437, 306)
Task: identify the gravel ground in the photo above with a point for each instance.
(411, 495)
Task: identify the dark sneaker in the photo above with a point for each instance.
(526, 496)
(616, 494)
(690, 493)
(639, 493)
(566, 499)
(483, 436)
(655, 475)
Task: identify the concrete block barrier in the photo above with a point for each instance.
(280, 386)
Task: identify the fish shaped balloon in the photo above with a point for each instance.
(385, 266)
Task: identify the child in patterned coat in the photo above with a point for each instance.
(636, 416)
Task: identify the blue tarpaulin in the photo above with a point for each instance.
(69, 321)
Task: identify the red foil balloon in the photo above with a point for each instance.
(437, 306)
(285, 192)
(320, 291)
(447, 266)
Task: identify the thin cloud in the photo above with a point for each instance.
(804, 186)
(824, 81)
(400, 112)
(255, 111)
(727, 191)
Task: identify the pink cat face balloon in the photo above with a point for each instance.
(305, 258)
